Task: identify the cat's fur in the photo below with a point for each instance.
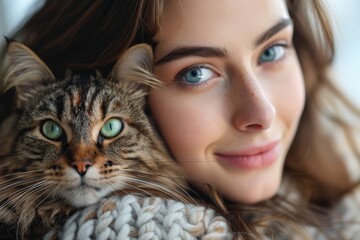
(39, 183)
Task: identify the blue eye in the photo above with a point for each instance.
(196, 75)
(272, 54)
(52, 130)
(111, 128)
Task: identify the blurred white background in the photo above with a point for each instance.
(13, 12)
(346, 22)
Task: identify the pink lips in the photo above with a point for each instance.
(253, 157)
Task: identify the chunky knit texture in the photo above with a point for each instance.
(132, 217)
(144, 218)
(347, 215)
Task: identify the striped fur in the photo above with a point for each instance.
(38, 180)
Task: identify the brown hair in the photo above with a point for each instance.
(326, 111)
(93, 34)
(87, 34)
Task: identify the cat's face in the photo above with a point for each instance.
(83, 137)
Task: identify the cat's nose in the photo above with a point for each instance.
(81, 167)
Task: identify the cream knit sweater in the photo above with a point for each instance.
(144, 218)
(151, 218)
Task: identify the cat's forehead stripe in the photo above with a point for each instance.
(76, 98)
(52, 104)
(93, 101)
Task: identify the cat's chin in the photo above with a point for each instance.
(84, 196)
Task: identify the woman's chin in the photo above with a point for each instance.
(254, 196)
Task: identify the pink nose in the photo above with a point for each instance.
(81, 166)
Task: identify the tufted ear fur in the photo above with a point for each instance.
(134, 71)
(26, 71)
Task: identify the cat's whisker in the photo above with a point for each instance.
(155, 174)
(26, 213)
(189, 160)
(19, 180)
(30, 190)
(183, 189)
(126, 181)
(156, 186)
(168, 178)
(21, 195)
(39, 191)
(139, 190)
(14, 194)
(110, 185)
(45, 198)
(119, 184)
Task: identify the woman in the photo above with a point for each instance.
(247, 105)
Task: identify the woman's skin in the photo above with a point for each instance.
(234, 93)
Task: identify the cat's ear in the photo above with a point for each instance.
(25, 70)
(134, 67)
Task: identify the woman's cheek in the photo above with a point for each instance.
(290, 95)
(188, 121)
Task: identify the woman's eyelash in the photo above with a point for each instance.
(196, 75)
(273, 53)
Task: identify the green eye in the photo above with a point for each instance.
(52, 130)
(111, 128)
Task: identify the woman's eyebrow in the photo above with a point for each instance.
(283, 23)
(187, 51)
(201, 51)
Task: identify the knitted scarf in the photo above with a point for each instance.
(133, 217)
(144, 218)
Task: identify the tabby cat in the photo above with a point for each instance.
(76, 140)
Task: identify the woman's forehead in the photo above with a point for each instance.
(199, 22)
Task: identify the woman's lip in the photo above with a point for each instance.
(252, 150)
(252, 157)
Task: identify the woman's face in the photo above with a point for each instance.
(234, 93)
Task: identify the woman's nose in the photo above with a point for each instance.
(254, 111)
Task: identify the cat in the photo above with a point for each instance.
(76, 140)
